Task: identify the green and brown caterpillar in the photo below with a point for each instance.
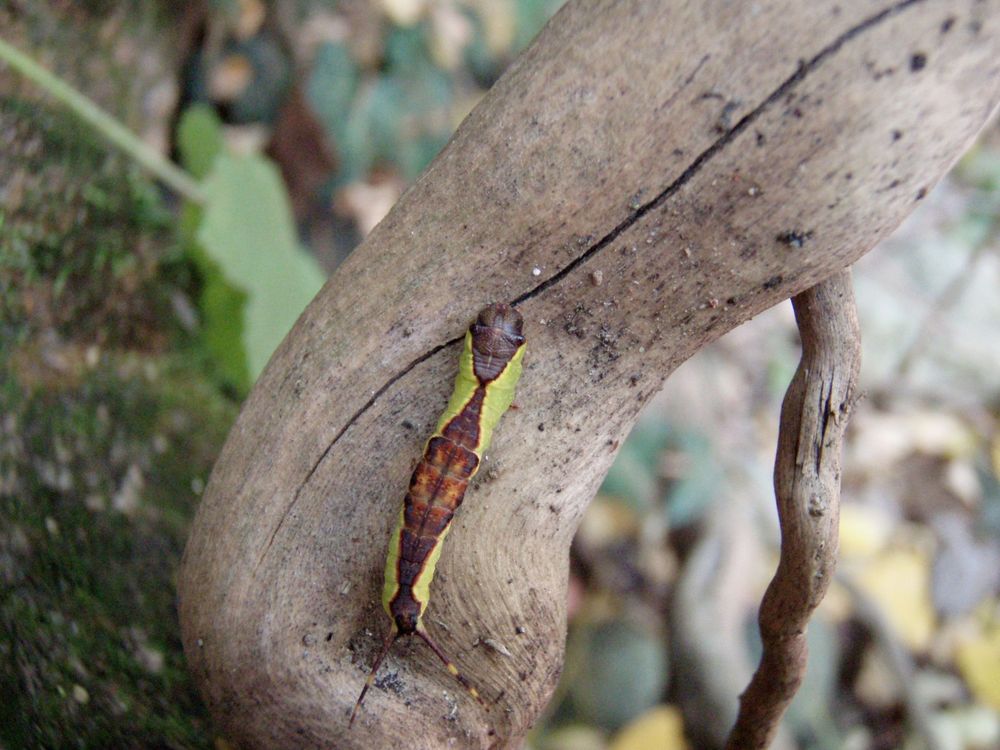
(488, 370)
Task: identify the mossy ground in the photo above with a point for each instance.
(101, 471)
(109, 426)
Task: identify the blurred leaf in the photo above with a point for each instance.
(199, 139)
(532, 15)
(575, 737)
(222, 309)
(633, 476)
(400, 117)
(385, 118)
(630, 480)
(331, 89)
(621, 673)
(479, 58)
(247, 228)
(697, 488)
(864, 530)
(369, 130)
(980, 167)
(660, 728)
(899, 580)
(270, 79)
(426, 124)
(406, 48)
(221, 306)
(978, 660)
(966, 570)
(809, 712)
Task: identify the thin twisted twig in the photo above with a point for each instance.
(807, 487)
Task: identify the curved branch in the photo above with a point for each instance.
(709, 160)
(807, 487)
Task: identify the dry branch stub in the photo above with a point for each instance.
(709, 160)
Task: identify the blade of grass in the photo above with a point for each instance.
(106, 125)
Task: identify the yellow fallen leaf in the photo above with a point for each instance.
(995, 456)
(898, 580)
(978, 659)
(659, 728)
(404, 12)
(499, 20)
(575, 737)
(864, 530)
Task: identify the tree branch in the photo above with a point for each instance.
(710, 160)
(807, 487)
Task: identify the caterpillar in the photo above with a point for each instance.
(489, 368)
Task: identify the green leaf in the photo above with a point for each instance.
(199, 139)
(222, 313)
(248, 230)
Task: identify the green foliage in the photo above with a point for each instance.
(199, 139)
(247, 229)
(399, 115)
(255, 277)
(222, 307)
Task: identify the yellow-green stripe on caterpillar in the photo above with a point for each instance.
(488, 371)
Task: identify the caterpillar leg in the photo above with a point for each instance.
(450, 665)
(389, 640)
